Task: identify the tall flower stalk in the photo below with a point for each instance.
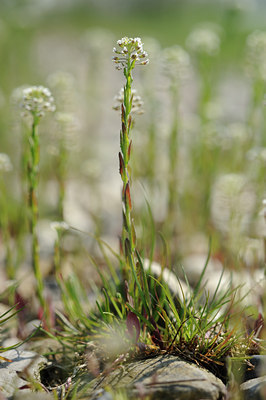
(129, 53)
(37, 100)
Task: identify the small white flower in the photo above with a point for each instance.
(59, 226)
(204, 41)
(5, 163)
(130, 51)
(37, 100)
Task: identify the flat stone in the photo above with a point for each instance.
(254, 389)
(32, 396)
(20, 360)
(164, 376)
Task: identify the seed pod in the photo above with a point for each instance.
(120, 246)
(122, 112)
(127, 249)
(129, 150)
(129, 122)
(128, 197)
(124, 221)
(121, 165)
(123, 128)
(133, 234)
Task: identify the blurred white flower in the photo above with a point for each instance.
(238, 131)
(232, 204)
(153, 47)
(17, 96)
(264, 208)
(252, 252)
(5, 163)
(37, 100)
(59, 226)
(96, 39)
(257, 154)
(66, 130)
(61, 80)
(176, 63)
(256, 55)
(239, 5)
(234, 134)
(204, 41)
(130, 52)
(113, 341)
(137, 103)
(63, 85)
(210, 135)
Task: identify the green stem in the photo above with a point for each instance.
(33, 172)
(128, 231)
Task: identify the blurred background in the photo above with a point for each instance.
(205, 82)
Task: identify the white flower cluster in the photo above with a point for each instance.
(176, 63)
(204, 41)
(130, 51)
(137, 103)
(256, 55)
(5, 163)
(37, 100)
